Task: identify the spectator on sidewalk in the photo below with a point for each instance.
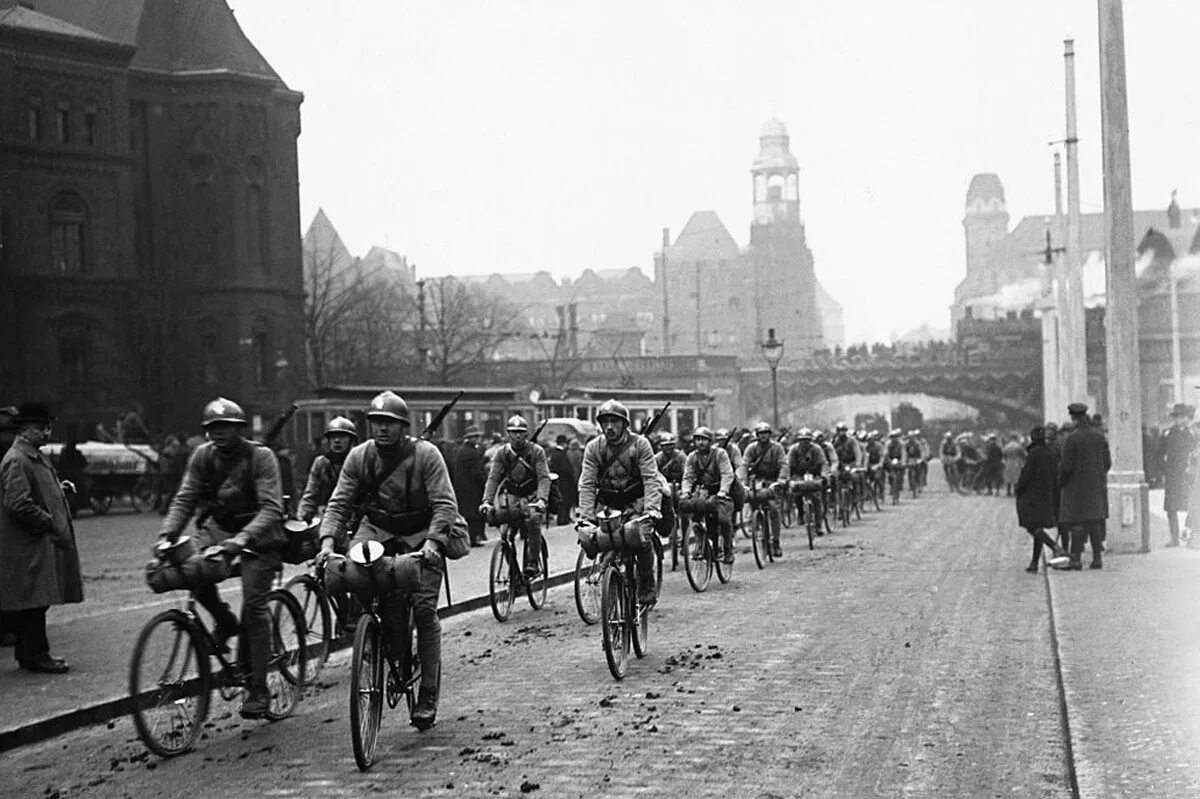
(1036, 489)
(1174, 452)
(1083, 480)
(468, 477)
(993, 464)
(568, 478)
(1014, 460)
(39, 562)
(8, 434)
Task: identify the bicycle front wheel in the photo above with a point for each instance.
(169, 684)
(810, 520)
(616, 632)
(724, 570)
(500, 577)
(587, 587)
(759, 540)
(697, 560)
(366, 689)
(286, 661)
(318, 622)
(536, 587)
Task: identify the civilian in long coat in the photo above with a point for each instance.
(39, 562)
(1036, 490)
(1083, 478)
(568, 478)
(468, 475)
(1174, 454)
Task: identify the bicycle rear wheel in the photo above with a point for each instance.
(616, 632)
(587, 587)
(366, 689)
(500, 581)
(697, 560)
(169, 683)
(760, 544)
(639, 619)
(318, 622)
(286, 660)
(724, 570)
(537, 587)
(658, 563)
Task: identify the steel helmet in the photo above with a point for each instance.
(894, 433)
(342, 425)
(667, 438)
(804, 434)
(702, 432)
(517, 424)
(390, 406)
(612, 408)
(222, 410)
(722, 434)
(762, 427)
(842, 427)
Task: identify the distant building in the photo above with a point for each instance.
(1005, 270)
(149, 220)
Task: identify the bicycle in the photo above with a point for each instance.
(914, 480)
(760, 520)
(588, 571)
(506, 574)
(171, 677)
(702, 543)
(807, 490)
(787, 511)
(626, 620)
(377, 674)
(895, 479)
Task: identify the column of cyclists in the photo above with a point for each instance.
(386, 519)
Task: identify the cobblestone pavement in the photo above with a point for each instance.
(907, 656)
(1131, 670)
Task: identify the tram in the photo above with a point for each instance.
(689, 409)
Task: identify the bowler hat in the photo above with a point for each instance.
(8, 415)
(1077, 409)
(1037, 433)
(33, 413)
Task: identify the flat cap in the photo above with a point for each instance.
(1077, 408)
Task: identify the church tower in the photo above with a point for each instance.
(986, 220)
(784, 283)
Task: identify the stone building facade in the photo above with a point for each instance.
(149, 213)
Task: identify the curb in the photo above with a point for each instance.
(1063, 708)
(101, 712)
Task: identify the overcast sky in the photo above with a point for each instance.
(517, 135)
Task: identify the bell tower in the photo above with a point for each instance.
(776, 178)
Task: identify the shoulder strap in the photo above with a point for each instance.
(378, 480)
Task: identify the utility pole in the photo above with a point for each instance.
(1127, 490)
(422, 350)
(1073, 336)
(666, 321)
(699, 345)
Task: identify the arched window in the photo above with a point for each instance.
(775, 188)
(91, 125)
(62, 122)
(256, 219)
(264, 364)
(210, 352)
(33, 116)
(68, 234)
(74, 353)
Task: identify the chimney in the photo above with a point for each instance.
(573, 330)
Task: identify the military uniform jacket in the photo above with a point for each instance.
(39, 563)
(671, 465)
(240, 489)
(849, 452)
(322, 478)
(630, 461)
(420, 483)
(710, 470)
(768, 462)
(807, 459)
(524, 475)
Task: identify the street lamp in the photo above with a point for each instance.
(772, 350)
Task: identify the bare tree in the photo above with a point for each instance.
(466, 323)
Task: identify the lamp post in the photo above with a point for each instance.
(772, 350)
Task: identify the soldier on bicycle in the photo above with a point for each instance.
(708, 467)
(619, 472)
(340, 436)
(234, 484)
(806, 458)
(520, 473)
(765, 459)
(670, 462)
(403, 487)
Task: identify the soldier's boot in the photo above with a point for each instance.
(424, 713)
(727, 536)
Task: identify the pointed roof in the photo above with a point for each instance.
(20, 17)
(703, 238)
(322, 244)
(774, 151)
(182, 36)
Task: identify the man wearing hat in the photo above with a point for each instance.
(568, 479)
(1174, 449)
(1036, 491)
(39, 563)
(468, 476)
(1083, 479)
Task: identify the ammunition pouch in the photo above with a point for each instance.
(400, 524)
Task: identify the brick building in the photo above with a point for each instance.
(149, 219)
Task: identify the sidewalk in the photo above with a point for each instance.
(35, 707)
(1130, 667)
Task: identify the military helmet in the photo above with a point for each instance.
(762, 427)
(667, 438)
(722, 434)
(517, 424)
(389, 405)
(342, 425)
(842, 427)
(222, 410)
(804, 433)
(702, 432)
(612, 408)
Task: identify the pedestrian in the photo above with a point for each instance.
(172, 462)
(468, 477)
(993, 464)
(1014, 460)
(568, 478)
(8, 434)
(1083, 479)
(71, 467)
(1174, 452)
(39, 561)
(575, 455)
(1035, 489)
